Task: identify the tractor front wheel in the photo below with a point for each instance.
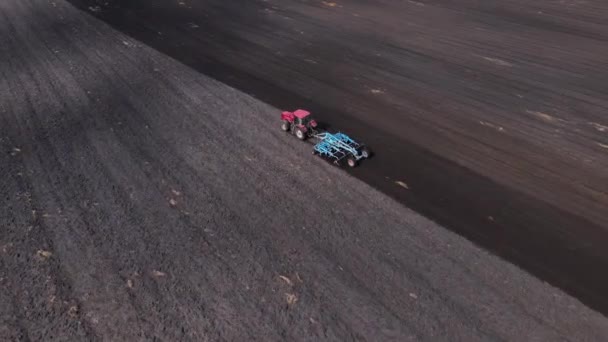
(285, 126)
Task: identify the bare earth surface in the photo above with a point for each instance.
(141, 199)
(487, 116)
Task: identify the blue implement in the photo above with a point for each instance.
(338, 146)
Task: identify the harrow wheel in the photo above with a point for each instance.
(366, 152)
(351, 161)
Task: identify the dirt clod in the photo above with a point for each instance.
(73, 311)
(286, 280)
(291, 298)
(158, 273)
(44, 254)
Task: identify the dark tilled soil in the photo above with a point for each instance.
(492, 113)
(142, 200)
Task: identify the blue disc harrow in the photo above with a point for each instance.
(338, 147)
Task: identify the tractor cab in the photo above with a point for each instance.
(303, 118)
(305, 121)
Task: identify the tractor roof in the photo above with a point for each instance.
(301, 113)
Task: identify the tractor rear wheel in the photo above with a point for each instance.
(285, 126)
(300, 134)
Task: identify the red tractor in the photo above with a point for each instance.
(299, 123)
